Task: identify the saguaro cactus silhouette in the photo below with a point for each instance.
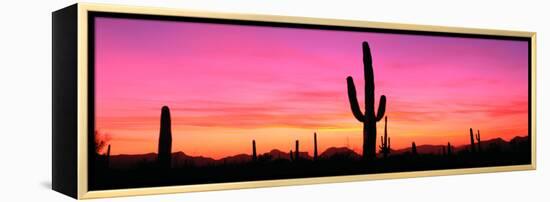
(291, 155)
(108, 155)
(254, 156)
(297, 157)
(368, 118)
(413, 149)
(384, 140)
(165, 139)
(315, 156)
(472, 144)
(449, 149)
(478, 138)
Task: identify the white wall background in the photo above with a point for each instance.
(25, 103)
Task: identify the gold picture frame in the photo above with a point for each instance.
(80, 183)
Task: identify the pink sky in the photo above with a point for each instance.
(229, 84)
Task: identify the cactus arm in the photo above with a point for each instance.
(381, 108)
(354, 104)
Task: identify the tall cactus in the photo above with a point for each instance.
(478, 138)
(315, 156)
(297, 153)
(413, 149)
(368, 118)
(165, 139)
(385, 141)
(472, 144)
(254, 156)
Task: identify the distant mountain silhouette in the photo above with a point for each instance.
(236, 159)
(125, 161)
(519, 140)
(340, 151)
(495, 143)
(421, 149)
(180, 159)
(278, 154)
(491, 144)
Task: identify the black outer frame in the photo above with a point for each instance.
(64, 100)
(65, 89)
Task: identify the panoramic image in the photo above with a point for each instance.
(181, 102)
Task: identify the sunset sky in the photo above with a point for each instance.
(228, 84)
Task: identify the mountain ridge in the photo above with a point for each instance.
(180, 158)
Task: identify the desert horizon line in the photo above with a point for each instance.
(461, 146)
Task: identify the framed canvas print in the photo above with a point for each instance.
(150, 100)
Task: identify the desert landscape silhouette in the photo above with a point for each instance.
(167, 167)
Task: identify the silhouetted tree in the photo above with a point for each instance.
(385, 141)
(165, 139)
(315, 156)
(100, 141)
(368, 119)
(254, 156)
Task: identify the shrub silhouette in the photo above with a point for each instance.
(368, 118)
(165, 139)
(384, 140)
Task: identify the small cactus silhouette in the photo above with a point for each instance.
(315, 156)
(297, 153)
(385, 145)
(291, 155)
(472, 143)
(254, 156)
(165, 139)
(478, 138)
(368, 118)
(449, 149)
(413, 149)
(108, 155)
